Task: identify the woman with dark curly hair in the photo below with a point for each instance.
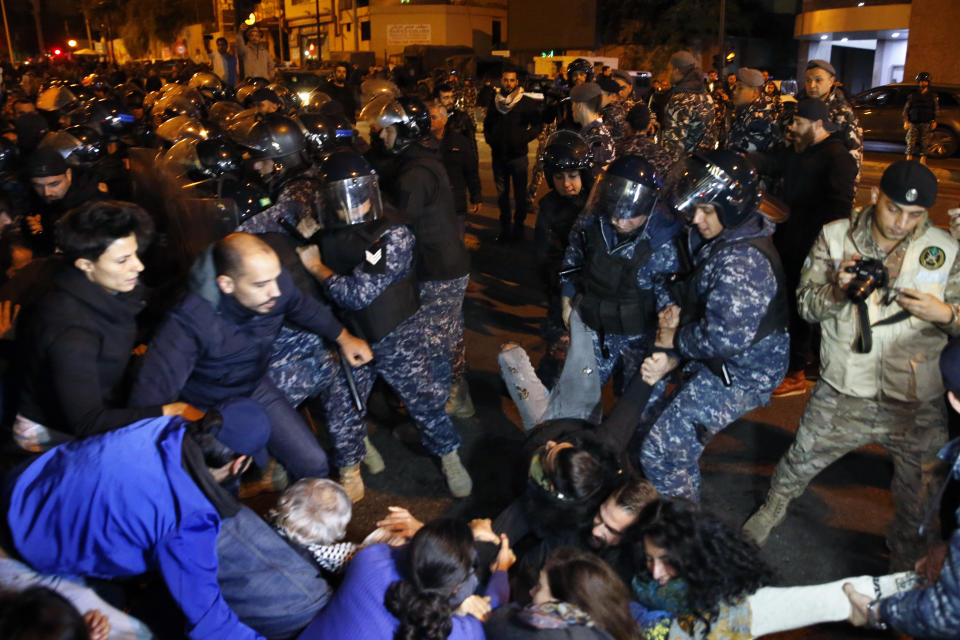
(697, 567)
(578, 597)
(705, 580)
(422, 591)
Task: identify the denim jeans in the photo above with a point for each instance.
(270, 586)
(505, 172)
(291, 442)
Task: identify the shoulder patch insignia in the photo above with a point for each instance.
(932, 258)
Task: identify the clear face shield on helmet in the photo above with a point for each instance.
(352, 201)
(383, 111)
(687, 187)
(627, 204)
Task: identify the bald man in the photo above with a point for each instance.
(216, 344)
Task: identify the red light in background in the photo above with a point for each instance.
(57, 52)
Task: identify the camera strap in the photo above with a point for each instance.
(865, 335)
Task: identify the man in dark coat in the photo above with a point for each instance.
(819, 177)
(512, 122)
(461, 162)
(216, 344)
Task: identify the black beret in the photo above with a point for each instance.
(911, 183)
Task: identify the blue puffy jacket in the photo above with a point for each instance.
(210, 347)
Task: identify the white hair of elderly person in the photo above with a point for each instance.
(314, 513)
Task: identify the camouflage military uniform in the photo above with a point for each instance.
(754, 127)
(836, 423)
(614, 116)
(600, 142)
(537, 177)
(296, 201)
(441, 303)
(640, 145)
(689, 121)
(722, 103)
(676, 426)
(918, 131)
(842, 115)
(402, 358)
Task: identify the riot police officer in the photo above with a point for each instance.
(566, 165)
(728, 336)
(274, 148)
(920, 116)
(424, 200)
(366, 263)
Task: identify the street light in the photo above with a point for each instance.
(251, 19)
(72, 43)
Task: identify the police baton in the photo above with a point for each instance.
(351, 383)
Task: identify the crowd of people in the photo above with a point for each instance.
(202, 272)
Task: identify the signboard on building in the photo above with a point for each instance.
(404, 34)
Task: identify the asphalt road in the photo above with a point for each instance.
(834, 530)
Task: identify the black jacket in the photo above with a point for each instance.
(462, 165)
(425, 203)
(75, 347)
(344, 95)
(83, 188)
(508, 134)
(818, 186)
(552, 233)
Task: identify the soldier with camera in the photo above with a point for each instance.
(883, 285)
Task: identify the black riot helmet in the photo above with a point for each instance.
(351, 190)
(409, 116)
(250, 195)
(923, 76)
(80, 146)
(179, 128)
(170, 106)
(221, 112)
(109, 117)
(271, 136)
(130, 95)
(9, 157)
(580, 65)
(565, 150)
(207, 85)
(57, 98)
(245, 93)
(724, 179)
(315, 101)
(289, 99)
(202, 159)
(628, 188)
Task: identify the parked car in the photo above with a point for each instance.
(880, 111)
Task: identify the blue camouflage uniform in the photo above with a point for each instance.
(754, 127)
(611, 348)
(934, 610)
(402, 358)
(296, 200)
(736, 285)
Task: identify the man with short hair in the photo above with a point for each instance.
(512, 122)
(216, 344)
(341, 92)
(820, 83)
(689, 117)
(223, 63)
(457, 119)
(753, 126)
(879, 380)
(148, 498)
(818, 179)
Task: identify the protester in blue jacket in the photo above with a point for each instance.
(147, 498)
(216, 344)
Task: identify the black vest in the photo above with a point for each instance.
(693, 308)
(342, 250)
(922, 107)
(612, 302)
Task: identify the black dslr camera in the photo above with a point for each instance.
(869, 275)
